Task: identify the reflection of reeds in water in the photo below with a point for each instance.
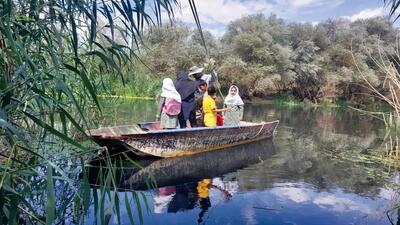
(392, 147)
(105, 193)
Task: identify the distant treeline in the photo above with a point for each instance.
(331, 61)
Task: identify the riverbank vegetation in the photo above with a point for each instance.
(333, 60)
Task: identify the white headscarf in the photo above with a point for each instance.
(169, 91)
(233, 100)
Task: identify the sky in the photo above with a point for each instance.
(215, 15)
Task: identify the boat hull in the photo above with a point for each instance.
(180, 142)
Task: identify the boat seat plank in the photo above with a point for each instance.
(117, 131)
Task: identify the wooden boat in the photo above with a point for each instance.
(180, 170)
(147, 139)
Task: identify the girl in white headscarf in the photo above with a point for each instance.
(170, 105)
(235, 103)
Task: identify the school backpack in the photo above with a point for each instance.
(172, 107)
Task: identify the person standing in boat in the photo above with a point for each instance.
(186, 88)
(235, 103)
(199, 103)
(169, 106)
(210, 109)
(198, 75)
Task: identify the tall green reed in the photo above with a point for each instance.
(50, 54)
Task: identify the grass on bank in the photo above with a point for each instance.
(136, 86)
(290, 101)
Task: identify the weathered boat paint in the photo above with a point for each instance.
(180, 142)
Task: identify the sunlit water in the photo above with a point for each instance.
(318, 169)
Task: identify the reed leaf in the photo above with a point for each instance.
(129, 209)
(138, 206)
(95, 204)
(50, 62)
(54, 131)
(51, 202)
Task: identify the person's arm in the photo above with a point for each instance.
(159, 109)
(241, 109)
(226, 193)
(215, 110)
(221, 110)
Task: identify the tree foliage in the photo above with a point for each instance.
(310, 61)
(266, 56)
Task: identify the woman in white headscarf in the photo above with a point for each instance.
(170, 105)
(235, 103)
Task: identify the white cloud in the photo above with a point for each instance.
(216, 32)
(314, 23)
(215, 15)
(337, 201)
(296, 194)
(295, 5)
(301, 3)
(366, 13)
(340, 204)
(222, 11)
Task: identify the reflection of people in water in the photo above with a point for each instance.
(186, 197)
(203, 191)
(163, 198)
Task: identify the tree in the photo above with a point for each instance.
(307, 81)
(262, 45)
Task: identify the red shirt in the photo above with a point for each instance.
(220, 120)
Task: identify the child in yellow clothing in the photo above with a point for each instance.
(210, 109)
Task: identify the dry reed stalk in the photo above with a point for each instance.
(391, 79)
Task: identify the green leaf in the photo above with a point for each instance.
(117, 209)
(138, 206)
(53, 131)
(90, 88)
(12, 216)
(63, 122)
(86, 189)
(74, 35)
(72, 120)
(95, 203)
(129, 209)
(146, 203)
(6, 125)
(51, 198)
(107, 14)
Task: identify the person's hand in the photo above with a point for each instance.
(228, 196)
(228, 109)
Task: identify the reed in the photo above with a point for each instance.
(50, 53)
(388, 64)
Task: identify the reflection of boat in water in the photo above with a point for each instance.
(185, 183)
(147, 139)
(173, 171)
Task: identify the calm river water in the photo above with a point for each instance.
(322, 167)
